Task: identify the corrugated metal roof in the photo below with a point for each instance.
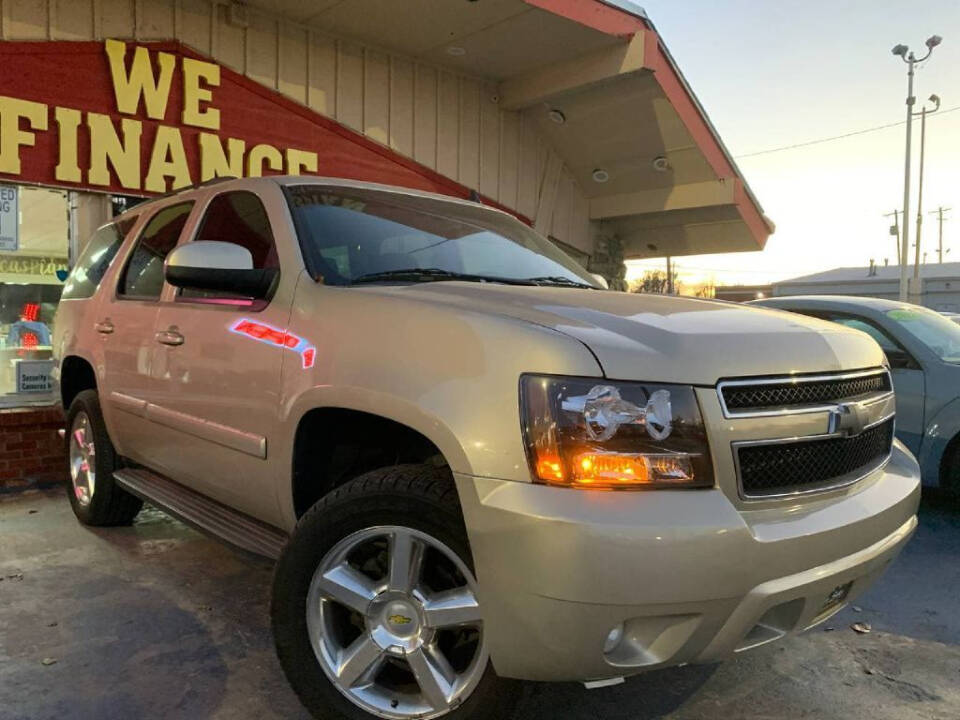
(628, 6)
(883, 274)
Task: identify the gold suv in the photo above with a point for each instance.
(472, 462)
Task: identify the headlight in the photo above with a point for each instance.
(593, 433)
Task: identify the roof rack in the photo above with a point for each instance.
(197, 186)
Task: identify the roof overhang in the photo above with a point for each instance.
(623, 99)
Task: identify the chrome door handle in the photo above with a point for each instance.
(169, 337)
(104, 327)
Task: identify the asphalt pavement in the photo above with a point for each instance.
(158, 621)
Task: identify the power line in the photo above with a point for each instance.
(837, 137)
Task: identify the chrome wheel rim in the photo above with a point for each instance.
(394, 621)
(83, 454)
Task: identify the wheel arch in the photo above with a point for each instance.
(76, 375)
(328, 436)
(941, 437)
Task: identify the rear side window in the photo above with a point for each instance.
(143, 276)
(96, 259)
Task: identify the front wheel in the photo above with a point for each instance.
(375, 608)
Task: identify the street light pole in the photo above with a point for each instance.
(905, 231)
(910, 59)
(935, 99)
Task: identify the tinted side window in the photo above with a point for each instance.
(143, 276)
(883, 340)
(240, 218)
(95, 259)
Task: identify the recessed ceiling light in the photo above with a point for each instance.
(456, 51)
(661, 164)
(557, 116)
(600, 175)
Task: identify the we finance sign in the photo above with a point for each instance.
(148, 118)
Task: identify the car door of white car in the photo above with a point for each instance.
(218, 362)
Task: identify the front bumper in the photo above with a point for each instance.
(691, 577)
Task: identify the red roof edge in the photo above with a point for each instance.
(593, 14)
(611, 20)
(665, 71)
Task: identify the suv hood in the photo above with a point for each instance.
(663, 338)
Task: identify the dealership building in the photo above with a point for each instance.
(570, 114)
(939, 284)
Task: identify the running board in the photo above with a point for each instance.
(202, 513)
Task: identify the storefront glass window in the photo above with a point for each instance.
(34, 242)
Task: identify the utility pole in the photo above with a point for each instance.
(940, 211)
(910, 59)
(895, 231)
(669, 277)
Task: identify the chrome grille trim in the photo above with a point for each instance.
(797, 409)
(836, 483)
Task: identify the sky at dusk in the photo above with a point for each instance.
(771, 74)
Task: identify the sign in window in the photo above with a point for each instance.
(34, 234)
(33, 376)
(9, 220)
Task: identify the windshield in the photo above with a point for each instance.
(348, 234)
(932, 329)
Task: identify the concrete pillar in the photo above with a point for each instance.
(607, 257)
(88, 212)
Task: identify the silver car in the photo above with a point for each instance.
(923, 350)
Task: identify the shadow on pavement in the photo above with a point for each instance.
(115, 650)
(648, 696)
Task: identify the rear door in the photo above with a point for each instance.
(218, 363)
(124, 322)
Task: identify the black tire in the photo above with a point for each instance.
(109, 504)
(421, 497)
(950, 471)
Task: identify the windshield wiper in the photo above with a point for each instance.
(559, 280)
(434, 275)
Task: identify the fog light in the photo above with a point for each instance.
(613, 639)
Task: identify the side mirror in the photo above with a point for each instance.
(601, 279)
(218, 267)
(899, 360)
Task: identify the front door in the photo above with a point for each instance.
(217, 367)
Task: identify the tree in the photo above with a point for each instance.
(655, 281)
(706, 290)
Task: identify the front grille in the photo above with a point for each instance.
(800, 466)
(762, 396)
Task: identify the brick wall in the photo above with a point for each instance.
(31, 453)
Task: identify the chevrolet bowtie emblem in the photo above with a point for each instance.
(399, 620)
(848, 419)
